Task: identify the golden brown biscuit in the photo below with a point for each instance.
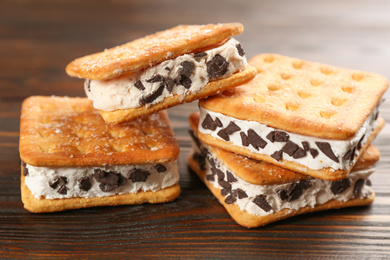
(274, 193)
(283, 116)
(179, 65)
(73, 159)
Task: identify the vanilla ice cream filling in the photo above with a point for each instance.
(263, 200)
(314, 153)
(184, 75)
(88, 182)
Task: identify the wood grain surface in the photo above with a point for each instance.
(39, 38)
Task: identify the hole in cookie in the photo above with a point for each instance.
(338, 102)
(269, 59)
(357, 76)
(285, 76)
(297, 65)
(315, 82)
(274, 87)
(147, 131)
(327, 114)
(44, 134)
(348, 89)
(326, 70)
(258, 99)
(303, 94)
(292, 106)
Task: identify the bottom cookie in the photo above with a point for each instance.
(42, 205)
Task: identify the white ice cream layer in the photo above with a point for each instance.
(318, 193)
(121, 93)
(38, 180)
(339, 147)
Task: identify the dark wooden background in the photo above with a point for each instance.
(39, 38)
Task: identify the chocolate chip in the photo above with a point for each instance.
(240, 50)
(187, 68)
(186, 82)
(222, 133)
(232, 128)
(348, 155)
(217, 67)
(211, 161)
(255, 140)
(210, 177)
(218, 172)
(260, 201)
(230, 177)
(139, 85)
(290, 148)
(306, 184)
(271, 136)
(109, 180)
(138, 175)
(225, 192)
(208, 123)
(295, 190)
(300, 153)
(58, 181)
(152, 96)
(155, 78)
(63, 190)
(25, 170)
(121, 179)
(225, 184)
(338, 187)
(313, 152)
(241, 194)
(169, 82)
(168, 68)
(306, 146)
(282, 194)
(278, 155)
(200, 54)
(357, 191)
(327, 150)
(278, 136)
(368, 182)
(230, 199)
(360, 142)
(160, 168)
(244, 139)
(85, 184)
(218, 122)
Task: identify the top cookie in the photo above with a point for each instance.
(303, 97)
(150, 50)
(68, 132)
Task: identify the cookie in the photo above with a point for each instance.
(308, 117)
(178, 65)
(72, 159)
(256, 193)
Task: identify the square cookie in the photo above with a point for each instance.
(72, 159)
(158, 71)
(309, 117)
(256, 193)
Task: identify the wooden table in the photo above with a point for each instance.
(38, 39)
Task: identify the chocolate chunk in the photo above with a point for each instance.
(169, 82)
(200, 54)
(348, 155)
(338, 187)
(357, 191)
(244, 139)
(217, 67)
(278, 136)
(185, 82)
(353, 153)
(218, 172)
(210, 177)
(327, 150)
(295, 190)
(260, 201)
(138, 175)
(271, 136)
(187, 68)
(230, 199)
(225, 192)
(278, 155)
(63, 190)
(313, 152)
(255, 140)
(85, 183)
(376, 115)
(225, 184)
(306, 184)
(121, 179)
(25, 170)
(241, 194)
(230, 177)
(208, 123)
(168, 68)
(58, 181)
(290, 148)
(211, 161)
(359, 145)
(218, 122)
(240, 50)
(109, 180)
(160, 168)
(139, 85)
(194, 138)
(368, 182)
(300, 153)
(88, 82)
(152, 96)
(232, 128)
(222, 133)
(155, 78)
(306, 146)
(282, 194)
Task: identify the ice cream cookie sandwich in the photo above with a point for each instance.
(178, 65)
(257, 193)
(308, 117)
(72, 159)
